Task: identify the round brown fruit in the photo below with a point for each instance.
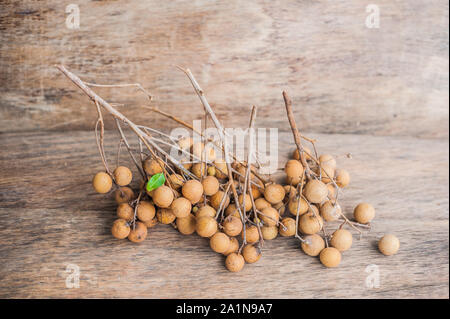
(330, 257)
(342, 177)
(289, 223)
(206, 226)
(270, 216)
(310, 223)
(341, 240)
(364, 213)
(294, 172)
(316, 191)
(269, 232)
(153, 166)
(232, 226)
(102, 182)
(293, 206)
(274, 193)
(206, 210)
(248, 201)
(251, 234)
(221, 169)
(151, 223)
(176, 180)
(261, 203)
(327, 159)
(233, 248)
(216, 199)
(122, 176)
(120, 228)
(186, 225)
(313, 245)
(165, 216)
(163, 196)
(145, 211)
(330, 212)
(219, 242)
(251, 253)
(199, 169)
(234, 262)
(181, 207)
(307, 151)
(389, 245)
(125, 211)
(123, 195)
(139, 233)
(192, 190)
(210, 185)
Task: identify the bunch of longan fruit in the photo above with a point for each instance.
(202, 203)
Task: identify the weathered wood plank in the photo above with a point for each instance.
(347, 78)
(51, 218)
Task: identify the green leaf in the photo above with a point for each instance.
(155, 181)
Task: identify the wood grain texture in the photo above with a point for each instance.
(346, 77)
(51, 218)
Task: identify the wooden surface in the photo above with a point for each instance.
(347, 77)
(51, 218)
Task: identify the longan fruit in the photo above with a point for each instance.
(389, 245)
(251, 234)
(331, 191)
(261, 203)
(176, 181)
(293, 206)
(294, 172)
(192, 190)
(327, 159)
(123, 195)
(186, 225)
(307, 151)
(153, 166)
(269, 232)
(231, 210)
(233, 248)
(210, 185)
(341, 240)
(165, 216)
(364, 213)
(290, 191)
(139, 233)
(342, 177)
(120, 228)
(330, 212)
(199, 169)
(330, 257)
(208, 155)
(163, 196)
(313, 245)
(251, 253)
(256, 191)
(125, 211)
(316, 191)
(234, 262)
(310, 223)
(248, 201)
(206, 210)
(219, 242)
(102, 182)
(274, 193)
(289, 223)
(216, 199)
(232, 226)
(181, 207)
(280, 207)
(123, 176)
(206, 226)
(327, 173)
(185, 143)
(151, 223)
(270, 216)
(211, 171)
(222, 169)
(242, 170)
(145, 211)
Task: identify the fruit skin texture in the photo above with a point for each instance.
(139, 233)
(293, 205)
(234, 262)
(206, 211)
(330, 212)
(307, 151)
(261, 203)
(232, 226)
(123, 176)
(248, 201)
(222, 169)
(341, 240)
(102, 183)
(364, 213)
(206, 226)
(219, 242)
(270, 216)
(176, 180)
(181, 207)
(234, 246)
(151, 223)
(274, 193)
(294, 172)
(251, 234)
(165, 216)
(192, 190)
(289, 223)
(199, 169)
(316, 191)
(310, 223)
(330, 257)
(125, 211)
(163, 196)
(210, 185)
(216, 199)
(313, 246)
(153, 166)
(326, 159)
(120, 229)
(342, 177)
(269, 232)
(125, 196)
(389, 245)
(186, 225)
(251, 254)
(145, 211)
